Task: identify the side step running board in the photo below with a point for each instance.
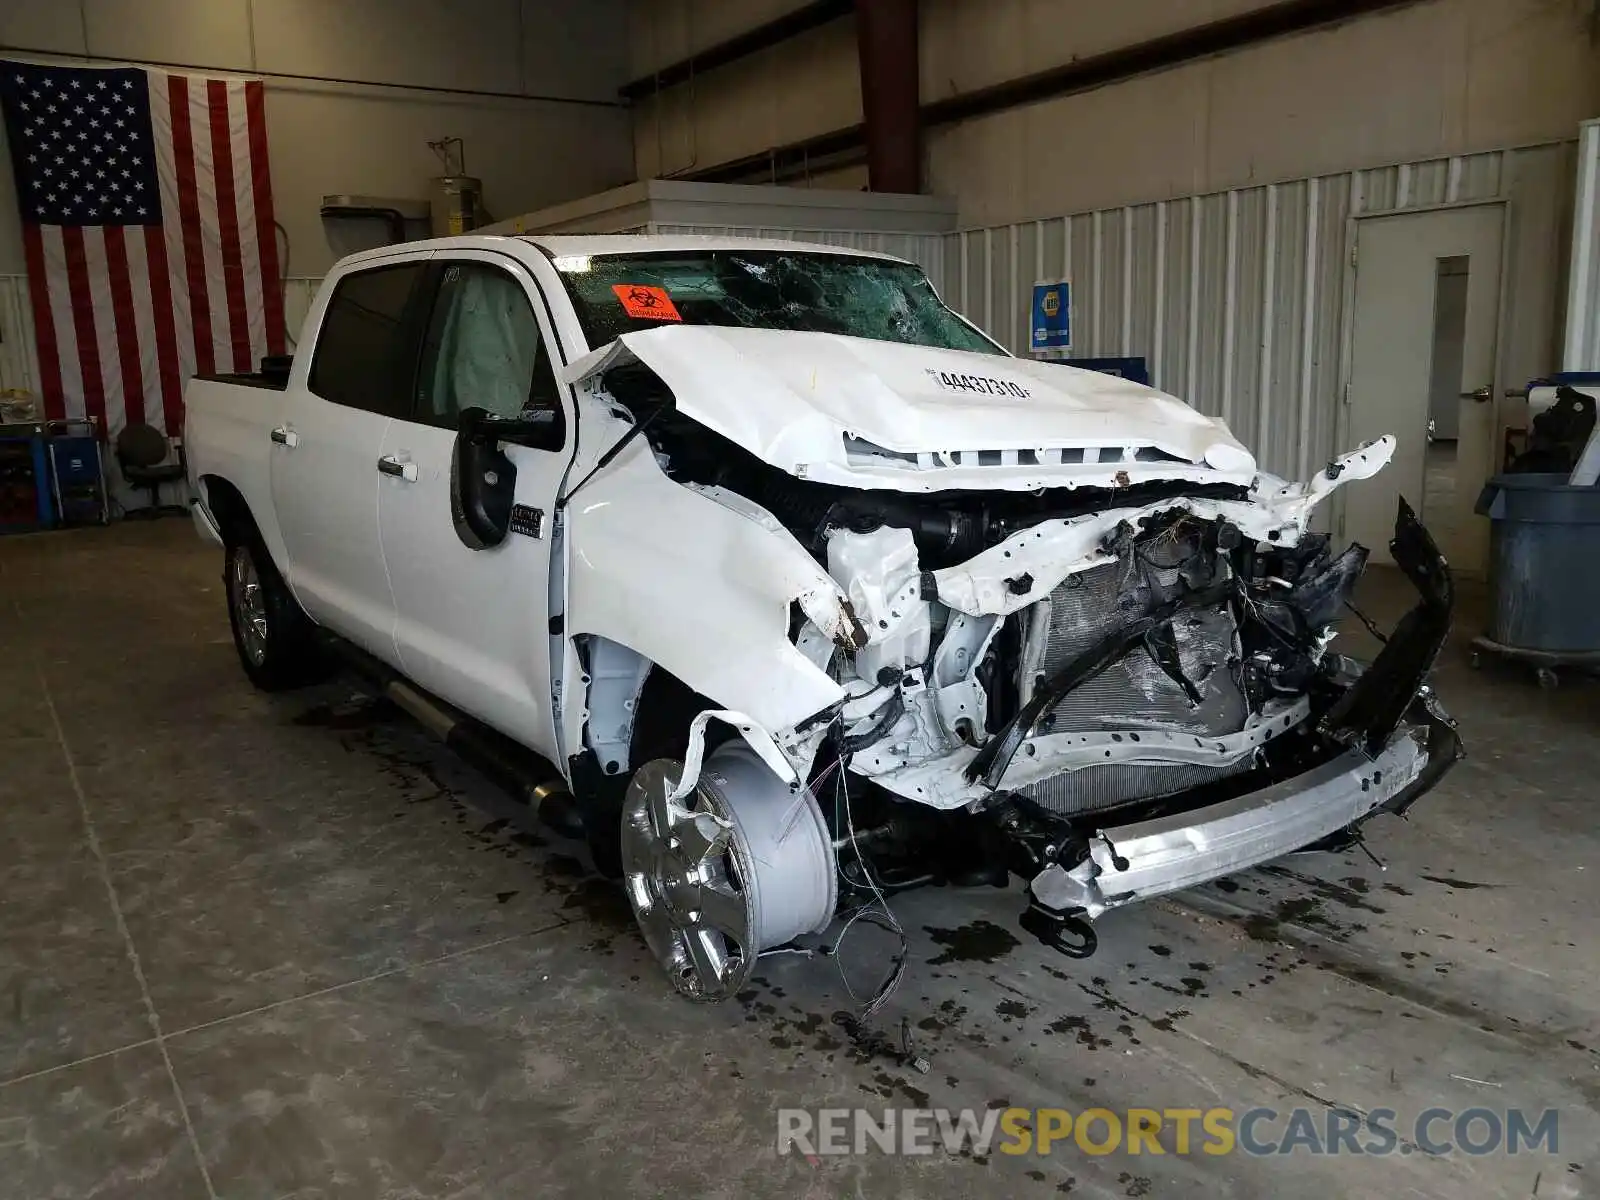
(528, 778)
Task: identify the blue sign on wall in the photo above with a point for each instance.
(1051, 328)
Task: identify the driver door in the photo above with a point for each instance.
(472, 626)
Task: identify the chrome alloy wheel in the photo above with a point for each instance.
(686, 884)
(742, 864)
(249, 603)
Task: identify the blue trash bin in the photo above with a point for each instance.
(1544, 563)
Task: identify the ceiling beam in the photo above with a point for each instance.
(775, 32)
(886, 38)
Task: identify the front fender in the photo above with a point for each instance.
(701, 584)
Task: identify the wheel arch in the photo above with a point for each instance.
(228, 508)
(635, 709)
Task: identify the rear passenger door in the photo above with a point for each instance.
(472, 626)
(326, 445)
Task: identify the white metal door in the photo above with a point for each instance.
(472, 626)
(355, 373)
(1397, 289)
(325, 494)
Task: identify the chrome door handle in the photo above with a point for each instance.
(285, 436)
(1483, 395)
(390, 465)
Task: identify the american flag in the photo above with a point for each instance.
(147, 224)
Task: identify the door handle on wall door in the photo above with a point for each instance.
(285, 436)
(391, 465)
(1483, 395)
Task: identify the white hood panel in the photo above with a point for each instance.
(793, 400)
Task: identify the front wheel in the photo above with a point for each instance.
(739, 866)
(276, 641)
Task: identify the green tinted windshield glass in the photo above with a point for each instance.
(763, 289)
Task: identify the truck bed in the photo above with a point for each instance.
(271, 381)
(228, 436)
(273, 375)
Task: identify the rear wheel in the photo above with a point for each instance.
(276, 641)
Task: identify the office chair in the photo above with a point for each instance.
(142, 452)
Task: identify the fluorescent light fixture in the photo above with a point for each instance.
(572, 264)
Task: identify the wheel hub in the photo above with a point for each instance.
(678, 881)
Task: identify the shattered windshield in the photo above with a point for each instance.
(763, 289)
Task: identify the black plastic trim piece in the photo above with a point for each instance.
(1370, 712)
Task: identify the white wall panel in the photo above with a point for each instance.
(663, 31)
(324, 139)
(185, 31)
(1424, 82)
(19, 364)
(1581, 351)
(807, 85)
(1236, 298)
(967, 46)
(328, 137)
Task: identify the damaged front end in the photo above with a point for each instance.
(1104, 669)
(1372, 741)
(1163, 714)
(1115, 704)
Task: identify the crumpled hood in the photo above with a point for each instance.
(825, 406)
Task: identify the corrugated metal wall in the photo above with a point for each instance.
(1237, 298)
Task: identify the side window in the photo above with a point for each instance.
(362, 356)
(483, 349)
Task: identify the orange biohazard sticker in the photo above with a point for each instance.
(646, 303)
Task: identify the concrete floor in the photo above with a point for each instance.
(255, 946)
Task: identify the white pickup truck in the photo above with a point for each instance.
(808, 591)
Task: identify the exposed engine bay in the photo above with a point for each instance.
(1109, 691)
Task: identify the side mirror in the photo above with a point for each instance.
(541, 428)
(483, 479)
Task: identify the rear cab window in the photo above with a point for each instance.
(366, 351)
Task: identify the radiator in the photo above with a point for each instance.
(1135, 693)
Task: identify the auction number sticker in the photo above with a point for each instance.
(646, 303)
(982, 385)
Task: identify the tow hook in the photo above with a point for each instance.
(1062, 932)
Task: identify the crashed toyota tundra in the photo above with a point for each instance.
(830, 597)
